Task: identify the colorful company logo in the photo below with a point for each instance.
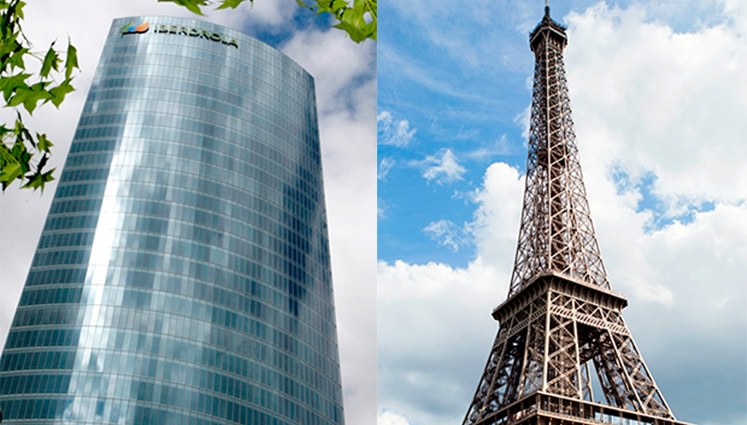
(131, 28)
(143, 27)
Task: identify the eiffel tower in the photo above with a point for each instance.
(562, 324)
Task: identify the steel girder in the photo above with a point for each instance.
(556, 231)
(550, 335)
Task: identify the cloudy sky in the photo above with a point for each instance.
(657, 90)
(346, 97)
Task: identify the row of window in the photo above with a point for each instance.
(158, 371)
(182, 238)
(232, 246)
(92, 412)
(238, 117)
(187, 248)
(295, 255)
(229, 168)
(196, 313)
(229, 147)
(247, 186)
(234, 293)
(100, 151)
(207, 118)
(12, 362)
(222, 106)
(74, 239)
(235, 89)
(280, 95)
(129, 350)
(258, 265)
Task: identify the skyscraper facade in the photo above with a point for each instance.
(183, 273)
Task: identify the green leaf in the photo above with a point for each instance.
(22, 133)
(31, 100)
(339, 4)
(38, 180)
(34, 95)
(10, 172)
(353, 31)
(19, 97)
(71, 60)
(51, 61)
(9, 44)
(19, 9)
(5, 155)
(43, 143)
(233, 4)
(58, 93)
(16, 59)
(9, 85)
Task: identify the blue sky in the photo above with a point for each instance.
(661, 136)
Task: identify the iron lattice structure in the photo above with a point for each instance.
(561, 324)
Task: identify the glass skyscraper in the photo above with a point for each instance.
(183, 273)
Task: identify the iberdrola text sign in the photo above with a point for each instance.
(143, 27)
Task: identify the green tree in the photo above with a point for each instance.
(24, 153)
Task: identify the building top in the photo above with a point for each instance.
(549, 27)
(232, 41)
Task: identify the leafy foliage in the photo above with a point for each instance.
(358, 19)
(24, 154)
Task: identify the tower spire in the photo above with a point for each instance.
(561, 329)
(556, 234)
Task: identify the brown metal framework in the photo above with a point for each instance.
(561, 320)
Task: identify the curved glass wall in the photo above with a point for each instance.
(183, 273)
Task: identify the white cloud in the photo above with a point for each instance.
(335, 62)
(381, 207)
(268, 13)
(657, 101)
(441, 168)
(500, 146)
(391, 418)
(446, 233)
(393, 132)
(434, 334)
(496, 222)
(434, 321)
(385, 166)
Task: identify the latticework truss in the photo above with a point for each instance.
(561, 329)
(553, 334)
(556, 230)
